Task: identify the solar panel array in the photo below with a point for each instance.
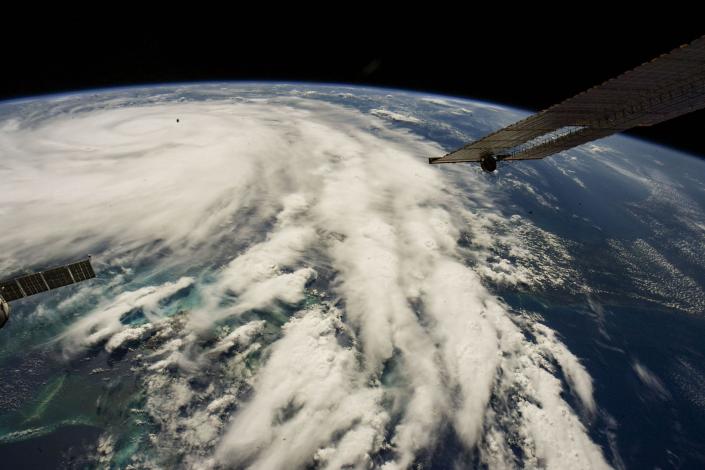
(31, 284)
(668, 86)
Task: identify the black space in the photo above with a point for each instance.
(528, 65)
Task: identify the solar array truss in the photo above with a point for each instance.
(31, 284)
(668, 86)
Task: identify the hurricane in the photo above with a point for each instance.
(284, 282)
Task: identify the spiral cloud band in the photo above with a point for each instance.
(303, 292)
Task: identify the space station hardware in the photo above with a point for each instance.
(31, 284)
(666, 87)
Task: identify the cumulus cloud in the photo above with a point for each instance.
(309, 391)
(251, 202)
(385, 113)
(104, 321)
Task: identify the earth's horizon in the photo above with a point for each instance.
(284, 282)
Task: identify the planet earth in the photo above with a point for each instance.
(283, 281)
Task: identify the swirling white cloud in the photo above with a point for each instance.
(250, 203)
